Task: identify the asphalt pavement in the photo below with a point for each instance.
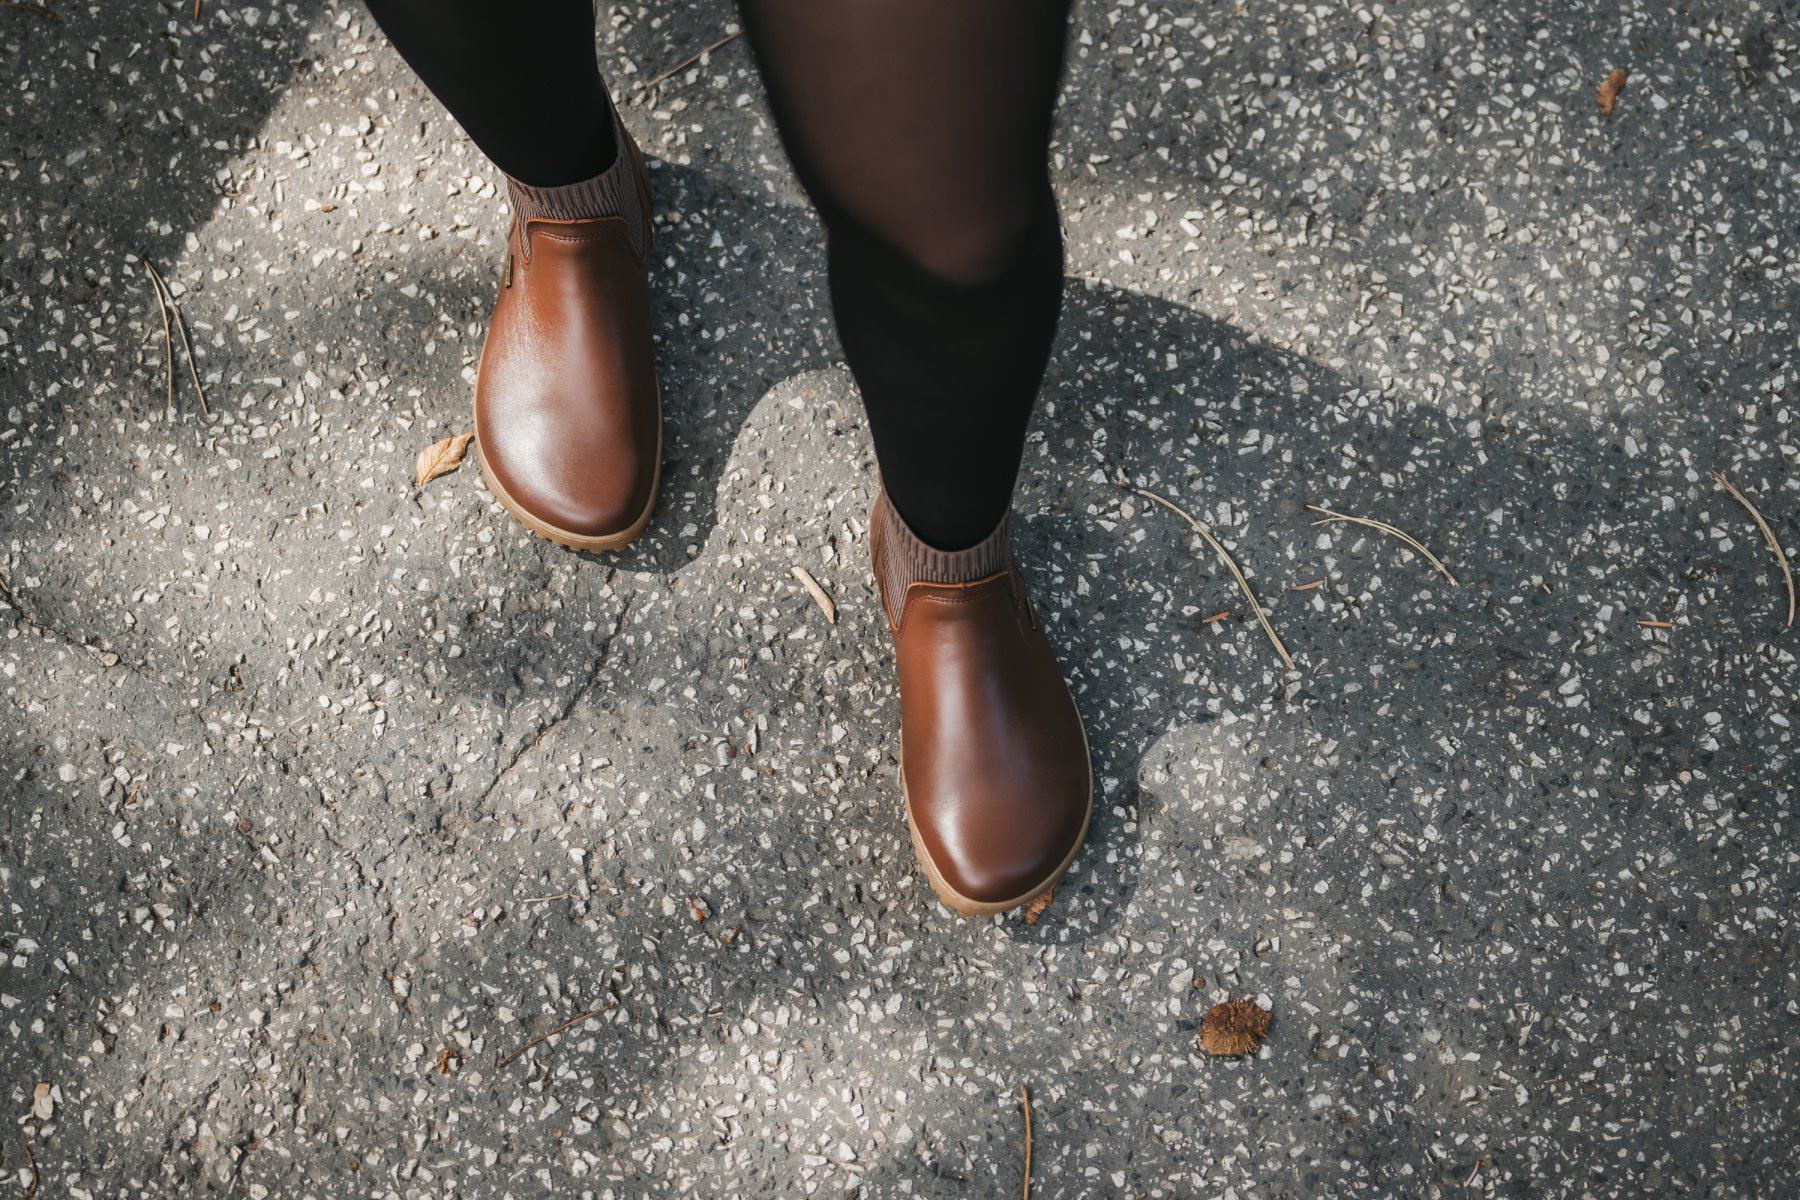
(327, 796)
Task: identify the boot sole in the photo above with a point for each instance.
(968, 906)
(563, 537)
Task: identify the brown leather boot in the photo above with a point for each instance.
(993, 757)
(568, 420)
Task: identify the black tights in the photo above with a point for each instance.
(920, 129)
(519, 76)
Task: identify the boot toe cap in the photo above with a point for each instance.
(587, 494)
(1002, 849)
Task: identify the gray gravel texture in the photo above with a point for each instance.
(322, 791)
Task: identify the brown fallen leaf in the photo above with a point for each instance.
(1234, 1027)
(1036, 908)
(442, 457)
(1610, 89)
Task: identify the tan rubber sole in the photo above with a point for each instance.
(966, 906)
(563, 537)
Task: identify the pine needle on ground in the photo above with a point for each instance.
(1391, 531)
(1769, 538)
(691, 59)
(166, 298)
(1231, 565)
(1025, 1100)
(545, 1036)
(162, 306)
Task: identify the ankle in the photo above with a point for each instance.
(901, 558)
(618, 191)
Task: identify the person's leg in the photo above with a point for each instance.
(519, 76)
(567, 414)
(920, 129)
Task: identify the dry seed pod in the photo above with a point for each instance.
(1234, 1027)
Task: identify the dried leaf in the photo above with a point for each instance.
(441, 458)
(1234, 1027)
(42, 1106)
(1610, 89)
(699, 908)
(1036, 908)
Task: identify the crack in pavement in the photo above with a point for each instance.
(106, 658)
(568, 709)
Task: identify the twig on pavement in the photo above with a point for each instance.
(1025, 1100)
(162, 306)
(691, 59)
(1231, 564)
(36, 10)
(1774, 544)
(567, 1025)
(187, 347)
(1391, 530)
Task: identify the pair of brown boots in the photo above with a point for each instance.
(993, 758)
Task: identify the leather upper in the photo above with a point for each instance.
(993, 755)
(566, 406)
